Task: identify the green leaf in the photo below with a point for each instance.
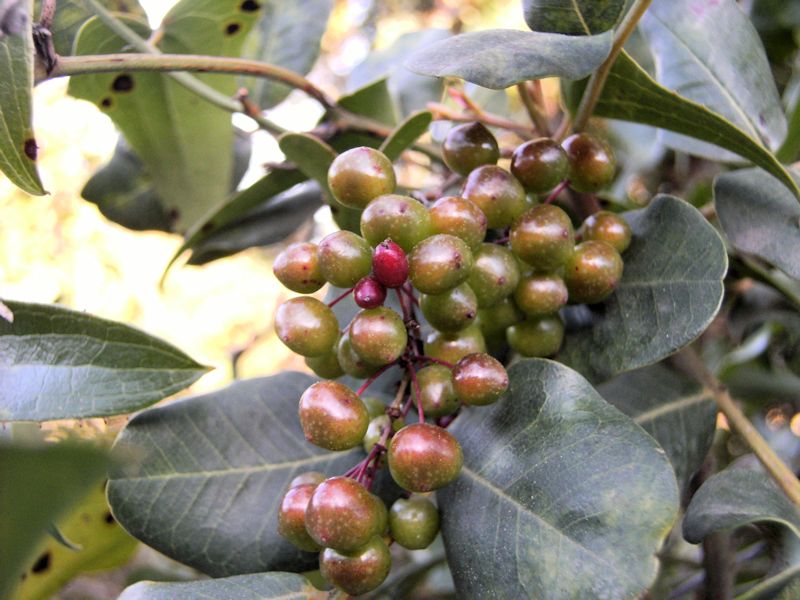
(185, 142)
(288, 35)
(670, 291)
(264, 586)
(101, 544)
(499, 58)
(737, 84)
(39, 484)
(736, 497)
(574, 17)
(18, 149)
(631, 94)
(760, 217)
(563, 495)
(61, 364)
(211, 472)
(373, 101)
(675, 410)
(408, 132)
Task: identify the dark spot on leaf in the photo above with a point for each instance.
(250, 6)
(122, 83)
(232, 28)
(109, 518)
(42, 563)
(207, 227)
(31, 149)
(106, 102)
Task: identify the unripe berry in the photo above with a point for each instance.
(292, 514)
(540, 165)
(390, 264)
(437, 396)
(469, 146)
(400, 218)
(452, 347)
(593, 272)
(459, 217)
(414, 522)
(605, 226)
(307, 326)
(298, 269)
(495, 274)
(313, 477)
(543, 237)
(375, 430)
(541, 294)
(358, 572)
(350, 361)
(344, 258)
(451, 311)
(375, 406)
(333, 416)
(592, 163)
(496, 319)
(497, 193)
(368, 293)
(537, 336)
(326, 366)
(378, 335)
(479, 379)
(439, 263)
(424, 457)
(360, 174)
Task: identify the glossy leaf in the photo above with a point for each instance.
(57, 363)
(263, 586)
(670, 291)
(574, 17)
(18, 149)
(737, 84)
(211, 472)
(631, 94)
(38, 485)
(760, 217)
(675, 410)
(736, 497)
(288, 35)
(408, 132)
(372, 100)
(185, 142)
(499, 58)
(570, 496)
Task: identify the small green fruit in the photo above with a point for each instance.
(307, 326)
(540, 165)
(591, 161)
(537, 337)
(424, 457)
(439, 264)
(357, 572)
(593, 272)
(414, 522)
(333, 416)
(469, 146)
(378, 335)
(359, 175)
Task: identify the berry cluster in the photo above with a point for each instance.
(491, 265)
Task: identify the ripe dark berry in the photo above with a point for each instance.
(543, 237)
(390, 264)
(593, 272)
(292, 514)
(495, 274)
(452, 347)
(439, 263)
(333, 416)
(297, 268)
(469, 146)
(437, 395)
(400, 218)
(343, 515)
(605, 226)
(369, 293)
(344, 258)
(358, 572)
(357, 176)
(497, 193)
(414, 522)
(459, 217)
(424, 457)
(378, 335)
(451, 311)
(307, 326)
(541, 294)
(591, 163)
(479, 379)
(537, 336)
(540, 165)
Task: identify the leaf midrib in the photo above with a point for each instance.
(672, 406)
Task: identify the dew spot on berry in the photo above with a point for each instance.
(122, 83)
(31, 149)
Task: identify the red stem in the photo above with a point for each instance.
(410, 294)
(438, 361)
(340, 298)
(415, 383)
(558, 189)
(372, 379)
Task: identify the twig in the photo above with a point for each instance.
(533, 107)
(445, 113)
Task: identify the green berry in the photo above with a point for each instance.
(378, 335)
(459, 217)
(326, 366)
(344, 258)
(605, 226)
(439, 263)
(352, 364)
(292, 514)
(359, 175)
(543, 237)
(494, 321)
(497, 193)
(540, 165)
(375, 430)
(495, 274)
(479, 379)
(537, 336)
(375, 406)
(414, 522)
(358, 572)
(593, 272)
(298, 269)
(342, 514)
(424, 457)
(452, 310)
(313, 477)
(307, 326)
(399, 218)
(437, 396)
(469, 146)
(541, 294)
(452, 347)
(333, 416)
(591, 163)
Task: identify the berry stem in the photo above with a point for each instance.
(558, 189)
(410, 294)
(447, 420)
(417, 395)
(530, 92)
(438, 361)
(445, 113)
(336, 301)
(372, 379)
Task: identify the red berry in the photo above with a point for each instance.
(369, 293)
(390, 264)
